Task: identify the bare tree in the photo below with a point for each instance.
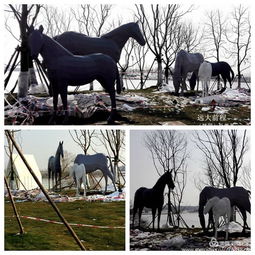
(239, 37)
(158, 27)
(140, 53)
(56, 21)
(114, 143)
(214, 38)
(168, 151)
(91, 19)
(84, 138)
(192, 37)
(224, 153)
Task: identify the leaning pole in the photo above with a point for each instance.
(14, 207)
(78, 241)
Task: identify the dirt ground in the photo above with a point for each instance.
(142, 107)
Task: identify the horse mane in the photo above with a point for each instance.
(115, 31)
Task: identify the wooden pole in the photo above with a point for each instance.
(78, 241)
(14, 207)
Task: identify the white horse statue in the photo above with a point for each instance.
(204, 75)
(220, 207)
(78, 172)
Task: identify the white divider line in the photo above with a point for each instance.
(72, 224)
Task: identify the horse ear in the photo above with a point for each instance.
(41, 28)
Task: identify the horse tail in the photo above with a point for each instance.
(118, 81)
(232, 73)
(112, 170)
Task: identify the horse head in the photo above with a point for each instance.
(60, 149)
(35, 41)
(210, 203)
(137, 34)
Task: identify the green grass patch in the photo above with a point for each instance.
(49, 236)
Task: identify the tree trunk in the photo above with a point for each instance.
(141, 79)
(239, 76)
(160, 72)
(24, 61)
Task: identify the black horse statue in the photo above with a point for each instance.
(110, 44)
(219, 68)
(65, 69)
(54, 167)
(238, 197)
(152, 198)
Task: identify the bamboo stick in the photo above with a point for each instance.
(14, 207)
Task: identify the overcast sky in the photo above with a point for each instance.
(143, 173)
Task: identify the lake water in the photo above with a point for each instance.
(190, 219)
(129, 84)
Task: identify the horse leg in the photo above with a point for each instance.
(243, 212)
(63, 95)
(159, 215)
(106, 182)
(48, 179)
(134, 213)
(184, 86)
(52, 179)
(226, 220)
(140, 215)
(203, 88)
(77, 187)
(153, 216)
(216, 227)
(84, 184)
(210, 220)
(60, 176)
(56, 180)
(111, 91)
(224, 80)
(55, 103)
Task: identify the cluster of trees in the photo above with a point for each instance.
(223, 159)
(165, 28)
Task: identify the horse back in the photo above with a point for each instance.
(146, 197)
(92, 162)
(238, 196)
(80, 44)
